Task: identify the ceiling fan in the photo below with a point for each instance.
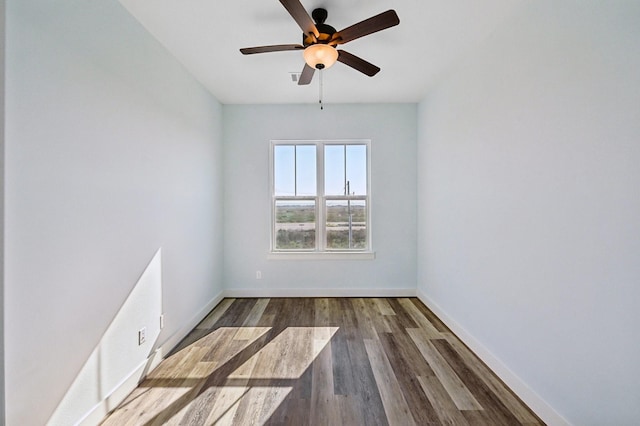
(319, 40)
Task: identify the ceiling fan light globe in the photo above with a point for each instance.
(320, 54)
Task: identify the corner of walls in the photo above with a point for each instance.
(172, 341)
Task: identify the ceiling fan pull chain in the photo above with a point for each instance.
(320, 95)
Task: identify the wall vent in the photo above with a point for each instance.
(295, 76)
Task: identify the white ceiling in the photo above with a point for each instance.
(206, 35)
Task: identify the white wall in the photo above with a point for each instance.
(529, 204)
(112, 152)
(2, 63)
(247, 132)
(117, 364)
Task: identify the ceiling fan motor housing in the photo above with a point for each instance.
(326, 31)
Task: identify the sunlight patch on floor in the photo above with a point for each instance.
(298, 345)
(259, 385)
(301, 344)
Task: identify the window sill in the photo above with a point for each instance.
(326, 255)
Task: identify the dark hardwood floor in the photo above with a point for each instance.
(322, 361)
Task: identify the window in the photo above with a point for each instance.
(320, 196)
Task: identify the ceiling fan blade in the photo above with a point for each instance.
(368, 26)
(300, 15)
(357, 63)
(306, 75)
(273, 48)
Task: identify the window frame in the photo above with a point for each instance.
(320, 198)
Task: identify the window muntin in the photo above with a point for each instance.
(320, 196)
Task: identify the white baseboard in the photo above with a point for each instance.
(133, 379)
(173, 340)
(117, 395)
(519, 387)
(320, 292)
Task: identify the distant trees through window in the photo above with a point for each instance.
(320, 195)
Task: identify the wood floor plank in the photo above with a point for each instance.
(324, 407)
(194, 338)
(402, 316)
(250, 408)
(211, 389)
(477, 417)
(269, 386)
(276, 394)
(498, 413)
(350, 409)
(407, 367)
(321, 315)
(169, 367)
(249, 324)
(366, 323)
(321, 361)
(383, 306)
(322, 396)
(377, 317)
(463, 399)
(200, 371)
(303, 312)
(236, 314)
(226, 347)
(292, 411)
(395, 405)
(447, 411)
(433, 319)
(231, 393)
(365, 392)
(423, 323)
(209, 321)
(305, 346)
(342, 365)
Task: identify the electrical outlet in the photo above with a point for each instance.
(161, 321)
(258, 275)
(142, 335)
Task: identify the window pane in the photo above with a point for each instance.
(346, 225)
(306, 169)
(284, 171)
(357, 169)
(334, 181)
(295, 224)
